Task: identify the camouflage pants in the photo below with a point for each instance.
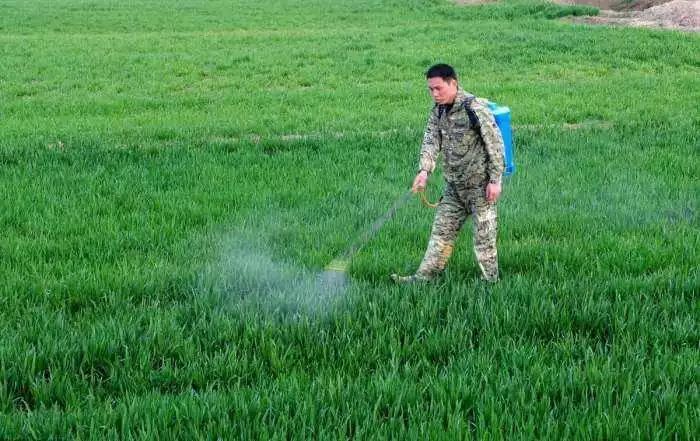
(455, 206)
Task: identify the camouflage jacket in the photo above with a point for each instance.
(472, 149)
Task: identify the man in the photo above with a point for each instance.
(464, 129)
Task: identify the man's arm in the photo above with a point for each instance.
(493, 142)
(429, 151)
(431, 143)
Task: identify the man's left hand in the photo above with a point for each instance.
(493, 191)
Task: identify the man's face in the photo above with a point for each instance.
(443, 91)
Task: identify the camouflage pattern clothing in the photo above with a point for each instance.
(472, 149)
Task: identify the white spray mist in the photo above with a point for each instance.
(245, 276)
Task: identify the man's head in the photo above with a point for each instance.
(442, 83)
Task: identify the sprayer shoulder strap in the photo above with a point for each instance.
(473, 119)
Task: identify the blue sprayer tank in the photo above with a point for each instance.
(502, 116)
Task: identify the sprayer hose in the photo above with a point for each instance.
(425, 201)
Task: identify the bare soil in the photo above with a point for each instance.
(615, 5)
(681, 15)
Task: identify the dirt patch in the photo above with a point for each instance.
(615, 5)
(682, 15)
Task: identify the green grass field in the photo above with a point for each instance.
(174, 175)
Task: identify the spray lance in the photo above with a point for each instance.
(334, 272)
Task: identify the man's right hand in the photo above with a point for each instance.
(420, 181)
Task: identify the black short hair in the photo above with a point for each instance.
(444, 71)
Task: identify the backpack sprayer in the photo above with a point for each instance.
(334, 272)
